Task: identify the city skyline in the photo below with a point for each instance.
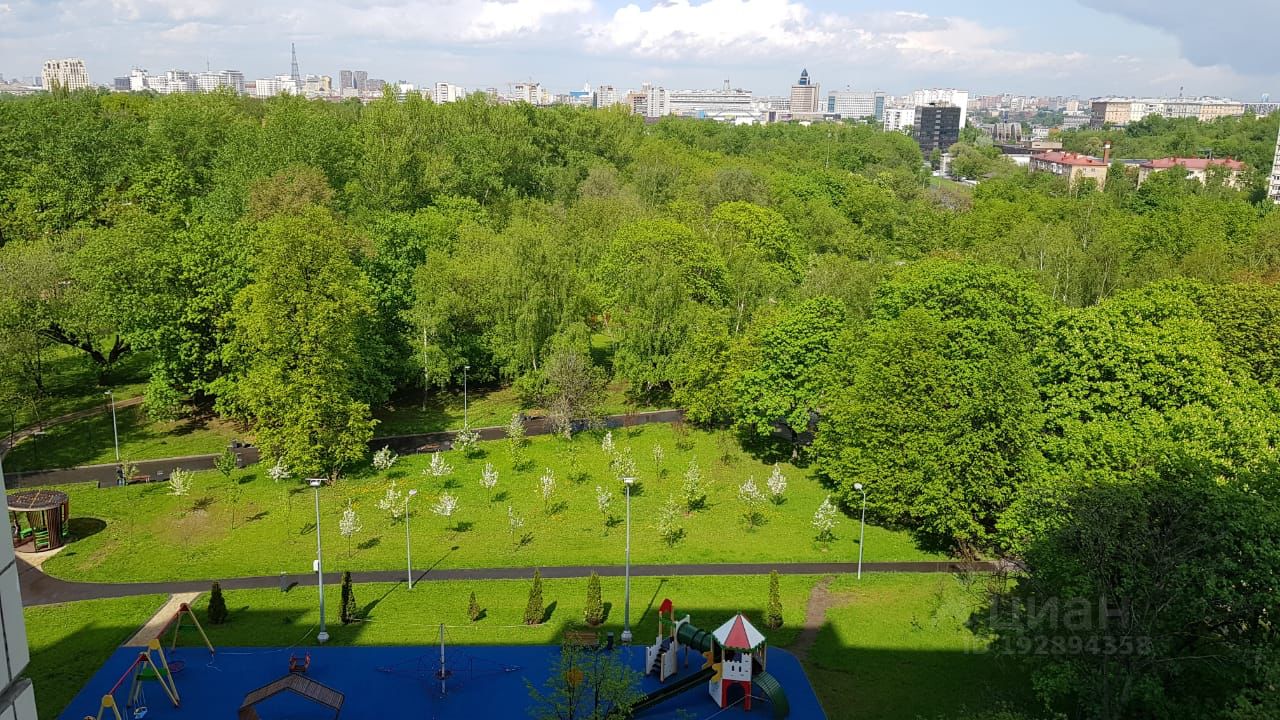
(756, 44)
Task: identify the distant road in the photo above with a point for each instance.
(159, 470)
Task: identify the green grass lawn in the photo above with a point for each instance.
(394, 615)
(897, 646)
(252, 526)
(70, 641)
(90, 440)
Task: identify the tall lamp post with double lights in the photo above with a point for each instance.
(626, 601)
(408, 552)
(862, 533)
(115, 433)
(323, 635)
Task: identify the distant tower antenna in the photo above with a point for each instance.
(294, 75)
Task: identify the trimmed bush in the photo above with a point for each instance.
(773, 615)
(348, 613)
(593, 612)
(533, 610)
(217, 605)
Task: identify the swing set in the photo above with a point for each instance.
(143, 669)
(146, 669)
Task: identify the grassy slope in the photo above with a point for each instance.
(152, 535)
(90, 441)
(69, 642)
(71, 384)
(897, 646)
(397, 616)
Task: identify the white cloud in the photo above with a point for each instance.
(457, 21)
(715, 28)
(729, 30)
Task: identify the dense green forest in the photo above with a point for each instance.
(1084, 380)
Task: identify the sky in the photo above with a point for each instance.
(1067, 47)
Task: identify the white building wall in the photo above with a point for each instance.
(17, 697)
(896, 119)
(1274, 186)
(68, 73)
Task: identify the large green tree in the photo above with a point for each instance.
(295, 350)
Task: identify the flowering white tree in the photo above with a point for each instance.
(349, 525)
(659, 456)
(692, 491)
(624, 464)
(604, 501)
(465, 440)
(445, 506)
(751, 498)
(669, 527)
(489, 480)
(394, 503)
(607, 443)
(279, 471)
(514, 523)
(180, 481)
(515, 440)
(439, 467)
(824, 520)
(547, 486)
(384, 459)
(777, 483)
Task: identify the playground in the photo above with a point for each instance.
(479, 682)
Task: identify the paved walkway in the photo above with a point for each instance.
(160, 469)
(41, 589)
(159, 622)
(7, 443)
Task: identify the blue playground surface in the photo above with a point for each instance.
(385, 682)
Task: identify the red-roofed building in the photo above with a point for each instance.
(1072, 166)
(1196, 168)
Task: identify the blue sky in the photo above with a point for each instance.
(1082, 47)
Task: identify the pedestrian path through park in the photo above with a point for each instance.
(39, 588)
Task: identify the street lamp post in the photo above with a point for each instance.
(862, 533)
(408, 553)
(323, 635)
(114, 431)
(626, 601)
(465, 423)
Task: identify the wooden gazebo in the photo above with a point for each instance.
(39, 519)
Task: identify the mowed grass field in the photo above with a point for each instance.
(250, 525)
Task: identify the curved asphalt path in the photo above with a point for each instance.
(41, 589)
(160, 469)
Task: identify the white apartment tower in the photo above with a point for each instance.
(68, 74)
(1273, 187)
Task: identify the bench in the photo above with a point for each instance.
(582, 639)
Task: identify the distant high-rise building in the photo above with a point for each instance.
(120, 84)
(897, 118)
(944, 96)
(726, 104)
(856, 104)
(1273, 187)
(606, 96)
(1122, 111)
(447, 92)
(936, 127)
(360, 80)
(346, 79)
(68, 74)
(806, 96)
